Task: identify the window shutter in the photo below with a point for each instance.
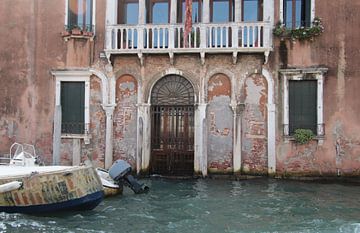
(302, 105)
(72, 107)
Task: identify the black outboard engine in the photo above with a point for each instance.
(120, 172)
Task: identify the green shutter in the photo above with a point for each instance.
(302, 105)
(72, 107)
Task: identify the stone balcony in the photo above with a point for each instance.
(233, 38)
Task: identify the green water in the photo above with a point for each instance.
(261, 205)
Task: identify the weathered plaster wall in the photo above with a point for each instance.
(30, 45)
(220, 124)
(254, 141)
(79, 52)
(338, 50)
(220, 115)
(125, 119)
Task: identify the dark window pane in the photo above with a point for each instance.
(72, 107)
(306, 13)
(302, 105)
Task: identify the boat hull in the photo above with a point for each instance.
(109, 191)
(51, 190)
(87, 202)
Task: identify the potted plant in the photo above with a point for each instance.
(303, 136)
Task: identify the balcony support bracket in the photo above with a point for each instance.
(202, 57)
(108, 55)
(171, 56)
(141, 59)
(266, 53)
(235, 53)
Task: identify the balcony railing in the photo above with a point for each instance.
(227, 37)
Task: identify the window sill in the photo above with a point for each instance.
(85, 137)
(84, 35)
(320, 139)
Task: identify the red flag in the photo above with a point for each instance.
(188, 21)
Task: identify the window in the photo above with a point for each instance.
(128, 12)
(72, 107)
(252, 10)
(72, 100)
(157, 11)
(222, 11)
(80, 14)
(303, 100)
(302, 105)
(196, 11)
(297, 13)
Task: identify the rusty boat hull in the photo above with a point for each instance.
(36, 190)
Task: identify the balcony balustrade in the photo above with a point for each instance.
(203, 38)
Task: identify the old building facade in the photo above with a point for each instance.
(117, 79)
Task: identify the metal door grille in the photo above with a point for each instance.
(172, 127)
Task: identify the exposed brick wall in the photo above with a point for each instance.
(220, 124)
(96, 149)
(254, 143)
(125, 118)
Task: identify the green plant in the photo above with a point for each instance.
(301, 33)
(303, 136)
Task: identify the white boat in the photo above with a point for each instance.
(26, 187)
(111, 187)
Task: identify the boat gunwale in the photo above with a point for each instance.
(33, 171)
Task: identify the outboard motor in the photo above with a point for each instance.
(120, 172)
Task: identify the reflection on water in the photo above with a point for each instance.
(210, 206)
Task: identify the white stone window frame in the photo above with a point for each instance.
(74, 76)
(281, 11)
(93, 14)
(299, 75)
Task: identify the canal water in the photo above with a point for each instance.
(260, 205)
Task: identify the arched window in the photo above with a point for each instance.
(172, 90)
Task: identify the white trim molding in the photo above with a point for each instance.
(302, 74)
(281, 11)
(271, 122)
(74, 76)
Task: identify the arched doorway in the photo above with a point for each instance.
(172, 127)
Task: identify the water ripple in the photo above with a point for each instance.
(210, 206)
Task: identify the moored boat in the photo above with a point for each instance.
(27, 188)
(111, 187)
